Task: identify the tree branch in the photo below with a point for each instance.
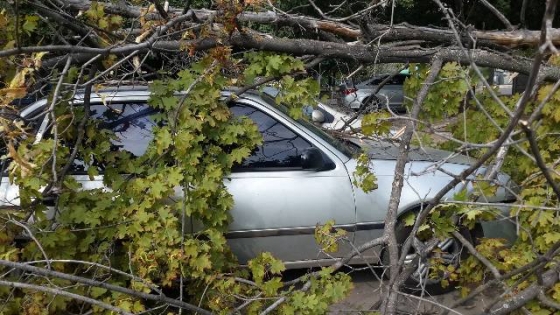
(498, 14)
(530, 267)
(522, 13)
(539, 159)
(108, 286)
(160, 9)
(400, 32)
(548, 302)
(550, 278)
(74, 296)
(476, 254)
(390, 304)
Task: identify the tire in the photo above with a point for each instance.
(371, 104)
(451, 251)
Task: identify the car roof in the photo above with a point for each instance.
(122, 93)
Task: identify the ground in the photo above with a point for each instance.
(366, 294)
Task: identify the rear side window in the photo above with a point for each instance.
(132, 124)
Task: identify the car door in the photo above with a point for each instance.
(278, 203)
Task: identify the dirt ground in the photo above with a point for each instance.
(365, 297)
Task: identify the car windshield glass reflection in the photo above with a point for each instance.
(132, 124)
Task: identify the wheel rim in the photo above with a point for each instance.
(449, 251)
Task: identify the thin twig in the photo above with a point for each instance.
(160, 9)
(495, 272)
(548, 302)
(498, 14)
(353, 16)
(26, 228)
(94, 264)
(539, 159)
(429, 301)
(108, 286)
(64, 293)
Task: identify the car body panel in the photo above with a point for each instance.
(277, 198)
(391, 95)
(289, 207)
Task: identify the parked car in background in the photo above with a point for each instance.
(331, 118)
(328, 117)
(297, 178)
(503, 80)
(391, 94)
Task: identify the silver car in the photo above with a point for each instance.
(299, 177)
(390, 95)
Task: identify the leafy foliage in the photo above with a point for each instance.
(142, 222)
(364, 177)
(328, 237)
(445, 95)
(538, 228)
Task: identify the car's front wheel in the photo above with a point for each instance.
(371, 104)
(432, 272)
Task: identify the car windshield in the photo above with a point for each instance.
(339, 144)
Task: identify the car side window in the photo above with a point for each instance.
(281, 148)
(132, 124)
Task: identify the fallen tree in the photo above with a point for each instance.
(55, 48)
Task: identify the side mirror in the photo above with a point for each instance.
(4, 161)
(312, 159)
(317, 116)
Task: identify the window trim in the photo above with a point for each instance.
(331, 155)
(244, 169)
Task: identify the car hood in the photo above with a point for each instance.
(384, 150)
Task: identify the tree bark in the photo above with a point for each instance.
(400, 32)
(301, 47)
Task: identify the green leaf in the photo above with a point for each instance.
(461, 195)
(97, 292)
(30, 23)
(162, 139)
(409, 219)
(551, 237)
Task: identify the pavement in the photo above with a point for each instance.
(367, 294)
